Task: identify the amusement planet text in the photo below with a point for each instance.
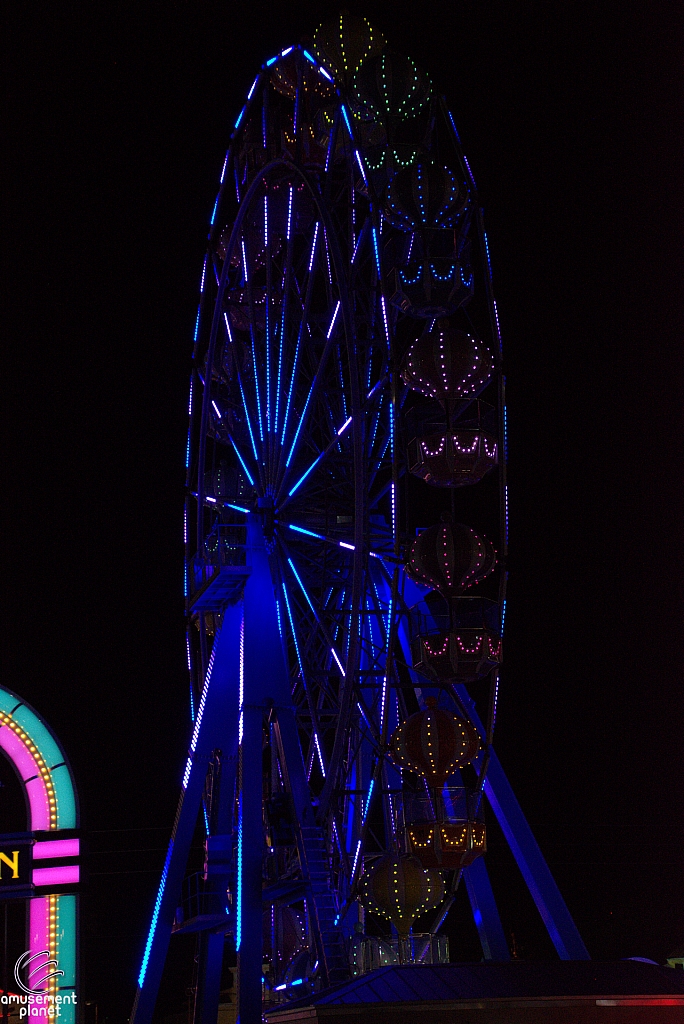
(39, 1005)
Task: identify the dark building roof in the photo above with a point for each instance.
(516, 979)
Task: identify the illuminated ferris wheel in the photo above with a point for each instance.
(346, 536)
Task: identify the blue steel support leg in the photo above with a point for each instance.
(485, 912)
(248, 939)
(529, 858)
(209, 977)
(215, 726)
(212, 945)
(266, 685)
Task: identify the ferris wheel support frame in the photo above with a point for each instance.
(247, 680)
(540, 882)
(237, 694)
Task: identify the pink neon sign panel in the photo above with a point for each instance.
(67, 875)
(56, 848)
(35, 787)
(39, 935)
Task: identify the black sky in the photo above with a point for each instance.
(571, 117)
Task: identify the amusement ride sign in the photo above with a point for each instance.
(41, 865)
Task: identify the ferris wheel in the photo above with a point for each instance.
(346, 537)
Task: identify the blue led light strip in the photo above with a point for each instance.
(308, 397)
(294, 635)
(309, 533)
(303, 478)
(327, 540)
(360, 163)
(368, 800)
(505, 429)
(203, 700)
(303, 588)
(155, 916)
(242, 461)
(267, 329)
(346, 121)
(325, 451)
(242, 393)
(377, 252)
(384, 317)
(295, 361)
(241, 695)
(238, 907)
(320, 755)
(470, 173)
(281, 349)
(315, 613)
(356, 858)
(489, 264)
(453, 125)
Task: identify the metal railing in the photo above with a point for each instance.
(368, 953)
(224, 548)
(453, 805)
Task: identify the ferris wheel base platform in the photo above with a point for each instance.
(223, 588)
(515, 992)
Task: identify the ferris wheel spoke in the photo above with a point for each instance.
(316, 612)
(310, 703)
(377, 613)
(253, 340)
(380, 463)
(333, 443)
(315, 383)
(238, 374)
(311, 272)
(317, 461)
(333, 542)
(347, 686)
(323, 573)
(286, 286)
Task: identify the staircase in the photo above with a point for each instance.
(313, 854)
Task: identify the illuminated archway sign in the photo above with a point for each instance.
(41, 865)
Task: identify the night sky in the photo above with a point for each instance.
(571, 118)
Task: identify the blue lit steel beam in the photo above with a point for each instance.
(215, 725)
(485, 912)
(529, 858)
